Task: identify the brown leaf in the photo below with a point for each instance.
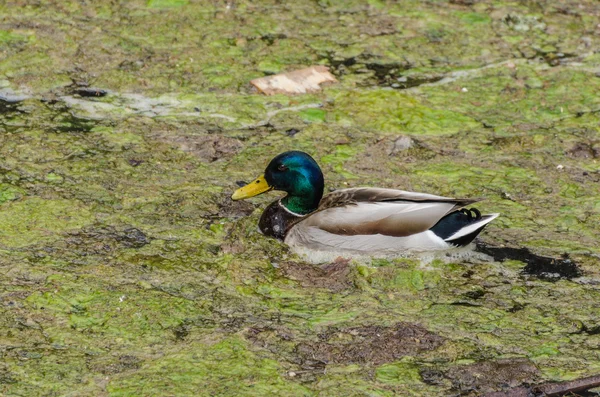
(296, 82)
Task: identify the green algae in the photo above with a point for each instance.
(9, 38)
(314, 115)
(337, 159)
(166, 3)
(225, 368)
(523, 84)
(33, 220)
(394, 112)
(405, 373)
(126, 269)
(10, 193)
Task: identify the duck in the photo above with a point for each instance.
(362, 220)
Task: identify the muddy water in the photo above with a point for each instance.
(126, 269)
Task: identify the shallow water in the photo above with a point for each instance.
(127, 270)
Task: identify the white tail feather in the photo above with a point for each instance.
(485, 219)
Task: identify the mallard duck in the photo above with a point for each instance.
(359, 220)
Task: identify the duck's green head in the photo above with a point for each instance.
(295, 173)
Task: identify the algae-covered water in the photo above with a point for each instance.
(126, 270)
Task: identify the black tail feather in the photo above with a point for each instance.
(453, 222)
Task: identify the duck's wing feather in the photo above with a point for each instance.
(367, 194)
(365, 211)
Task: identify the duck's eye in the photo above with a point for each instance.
(282, 167)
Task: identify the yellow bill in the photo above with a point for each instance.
(252, 189)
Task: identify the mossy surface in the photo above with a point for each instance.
(126, 270)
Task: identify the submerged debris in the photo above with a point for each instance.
(234, 209)
(8, 96)
(292, 131)
(584, 150)
(553, 389)
(7, 106)
(91, 92)
(369, 344)
(100, 239)
(334, 275)
(401, 144)
(115, 365)
(208, 148)
(297, 82)
(488, 376)
(132, 238)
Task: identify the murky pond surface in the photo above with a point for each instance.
(125, 269)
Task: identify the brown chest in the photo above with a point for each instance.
(275, 221)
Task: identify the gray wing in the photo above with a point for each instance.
(389, 212)
(367, 194)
